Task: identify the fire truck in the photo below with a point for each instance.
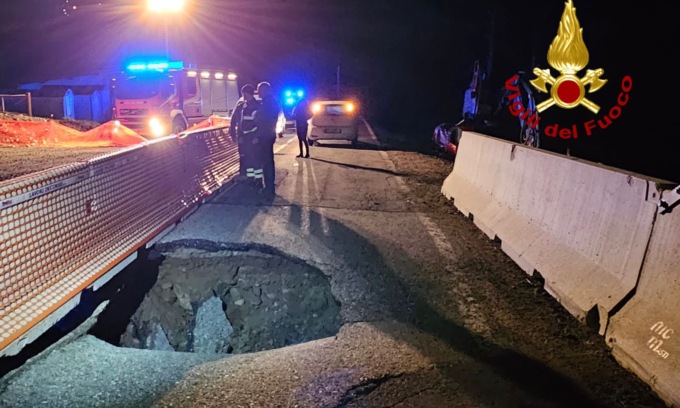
(159, 98)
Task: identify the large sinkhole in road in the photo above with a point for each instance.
(232, 302)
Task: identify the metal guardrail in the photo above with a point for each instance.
(63, 228)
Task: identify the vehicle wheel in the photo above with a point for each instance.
(315, 143)
(354, 142)
(178, 126)
(528, 136)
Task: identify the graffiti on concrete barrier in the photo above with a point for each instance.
(661, 332)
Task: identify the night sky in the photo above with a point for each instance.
(409, 62)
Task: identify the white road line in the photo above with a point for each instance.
(283, 146)
(370, 130)
(468, 307)
(400, 181)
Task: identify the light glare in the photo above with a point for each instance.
(156, 127)
(161, 6)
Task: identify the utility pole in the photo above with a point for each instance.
(337, 82)
(167, 40)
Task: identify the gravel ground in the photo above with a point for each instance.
(18, 161)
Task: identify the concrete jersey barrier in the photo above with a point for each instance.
(582, 226)
(645, 334)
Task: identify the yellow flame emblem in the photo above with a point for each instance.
(568, 55)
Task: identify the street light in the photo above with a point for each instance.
(165, 7)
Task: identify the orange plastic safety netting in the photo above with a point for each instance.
(63, 228)
(51, 133)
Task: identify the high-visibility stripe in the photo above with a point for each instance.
(248, 117)
(250, 131)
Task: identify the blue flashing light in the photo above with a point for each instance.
(136, 67)
(155, 66)
(289, 94)
(290, 101)
(300, 93)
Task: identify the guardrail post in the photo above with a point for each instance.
(3, 104)
(30, 105)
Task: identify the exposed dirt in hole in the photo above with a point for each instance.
(232, 302)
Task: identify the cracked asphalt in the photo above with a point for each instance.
(435, 315)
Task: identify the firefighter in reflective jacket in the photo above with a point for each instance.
(237, 136)
(248, 132)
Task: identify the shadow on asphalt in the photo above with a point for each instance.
(527, 380)
(533, 378)
(359, 146)
(353, 166)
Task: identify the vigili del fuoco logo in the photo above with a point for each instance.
(568, 55)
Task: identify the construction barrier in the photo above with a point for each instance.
(645, 334)
(64, 228)
(583, 227)
(603, 240)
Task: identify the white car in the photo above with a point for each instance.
(333, 120)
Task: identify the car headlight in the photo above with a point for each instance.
(316, 108)
(350, 107)
(156, 126)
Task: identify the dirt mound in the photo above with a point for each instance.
(35, 132)
(210, 122)
(81, 125)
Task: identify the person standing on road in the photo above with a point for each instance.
(245, 150)
(235, 134)
(301, 115)
(247, 131)
(266, 119)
